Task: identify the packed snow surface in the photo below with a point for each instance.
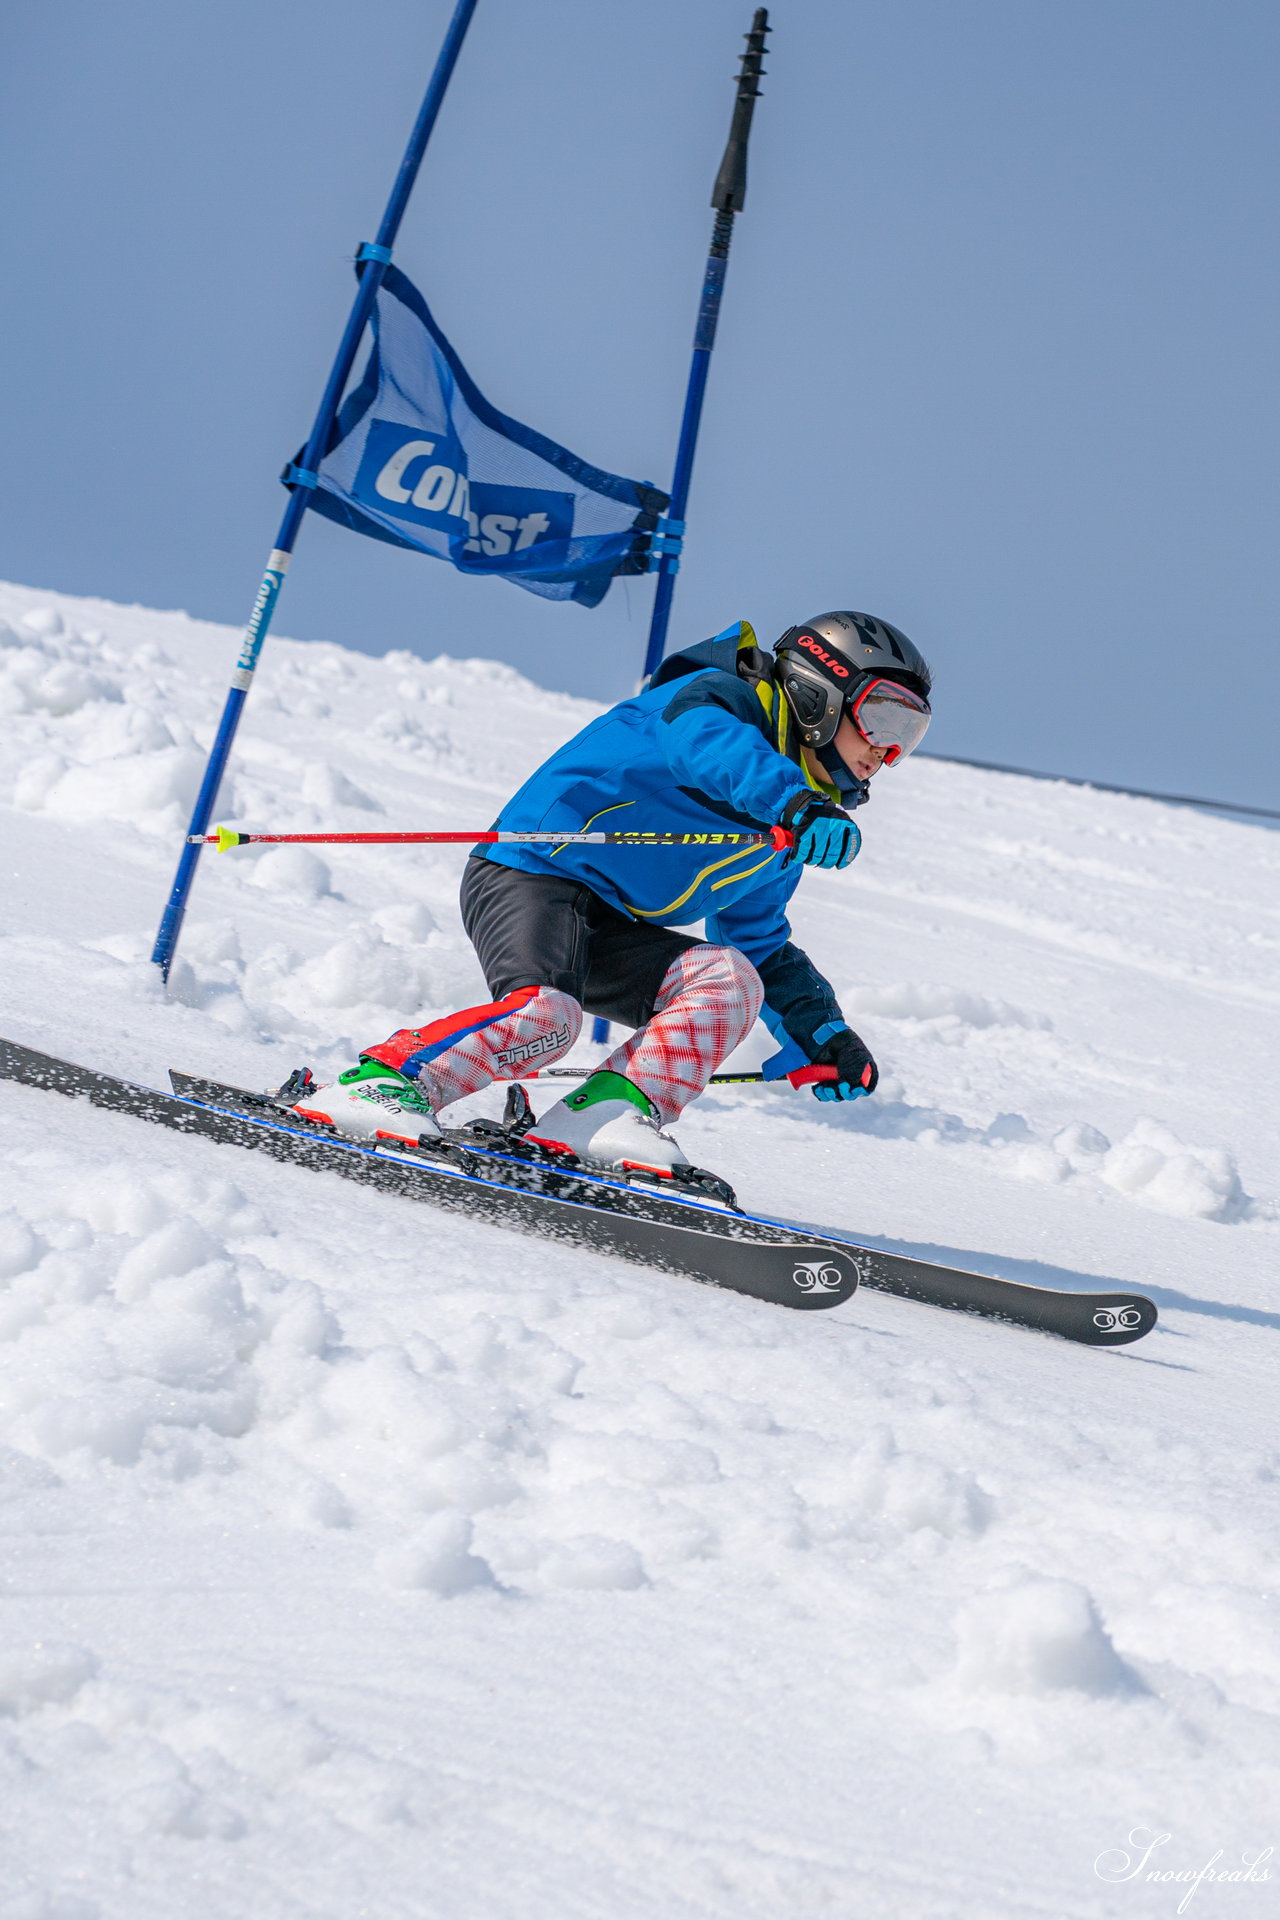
(363, 1560)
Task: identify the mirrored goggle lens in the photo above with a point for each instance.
(891, 717)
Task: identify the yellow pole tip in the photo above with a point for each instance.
(226, 837)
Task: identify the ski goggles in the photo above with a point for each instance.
(889, 716)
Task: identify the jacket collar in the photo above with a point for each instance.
(736, 650)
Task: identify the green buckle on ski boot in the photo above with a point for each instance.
(406, 1091)
(605, 1085)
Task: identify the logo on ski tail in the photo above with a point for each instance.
(818, 1276)
(1107, 1319)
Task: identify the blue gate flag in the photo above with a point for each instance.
(419, 458)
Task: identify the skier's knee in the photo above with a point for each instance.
(722, 974)
(747, 982)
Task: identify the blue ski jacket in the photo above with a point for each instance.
(707, 748)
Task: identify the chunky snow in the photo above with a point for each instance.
(359, 1559)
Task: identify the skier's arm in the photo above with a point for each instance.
(800, 1007)
(799, 1004)
(712, 739)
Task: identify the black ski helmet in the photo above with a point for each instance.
(825, 662)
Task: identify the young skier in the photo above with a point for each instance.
(724, 738)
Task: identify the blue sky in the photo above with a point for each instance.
(996, 360)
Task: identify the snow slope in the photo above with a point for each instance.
(359, 1560)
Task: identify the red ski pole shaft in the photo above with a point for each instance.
(226, 837)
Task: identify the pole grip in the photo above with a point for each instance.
(809, 1076)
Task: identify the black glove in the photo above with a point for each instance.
(857, 1071)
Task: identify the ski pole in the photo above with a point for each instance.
(798, 1076)
(224, 838)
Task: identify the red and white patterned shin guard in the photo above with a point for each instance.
(708, 1003)
(508, 1039)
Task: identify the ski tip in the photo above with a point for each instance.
(225, 838)
(1116, 1319)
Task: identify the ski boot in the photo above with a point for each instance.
(608, 1122)
(371, 1102)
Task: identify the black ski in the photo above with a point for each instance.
(745, 1253)
(707, 1244)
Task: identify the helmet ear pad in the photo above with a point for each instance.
(814, 701)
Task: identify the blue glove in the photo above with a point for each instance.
(825, 836)
(857, 1071)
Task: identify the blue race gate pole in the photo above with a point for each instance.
(372, 261)
(728, 197)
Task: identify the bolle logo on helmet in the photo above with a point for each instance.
(810, 645)
(1109, 1318)
(817, 1276)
